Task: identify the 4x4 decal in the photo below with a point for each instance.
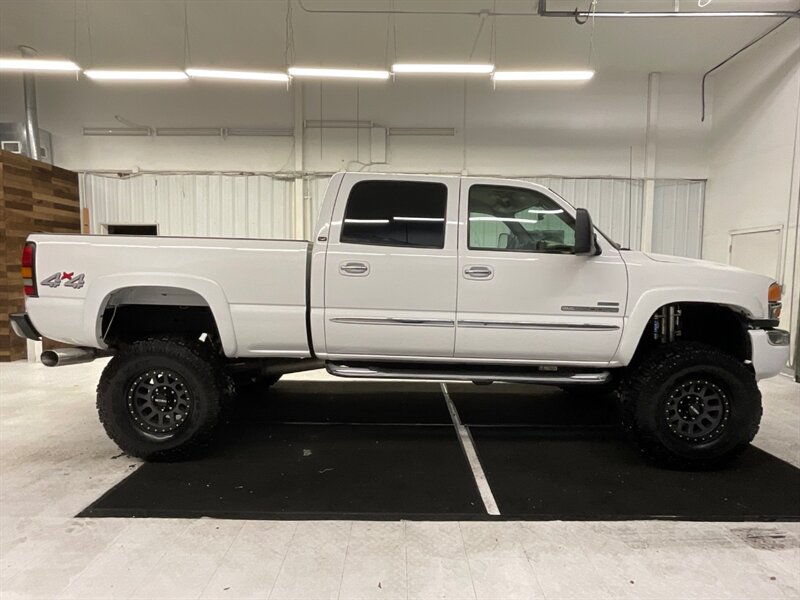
(68, 279)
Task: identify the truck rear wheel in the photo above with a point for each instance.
(161, 398)
(690, 406)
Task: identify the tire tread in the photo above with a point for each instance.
(199, 358)
(658, 365)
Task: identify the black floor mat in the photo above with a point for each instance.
(306, 472)
(264, 467)
(538, 475)
(387, 450)
(349, 402)
(532, 406)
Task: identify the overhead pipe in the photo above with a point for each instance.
(31, 111)
(579, 15)
(726, 61)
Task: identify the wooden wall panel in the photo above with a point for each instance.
(34, 198)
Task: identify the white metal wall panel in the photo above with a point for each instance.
(615, 204)
(248, 206)
(314, 194)
(678, 217)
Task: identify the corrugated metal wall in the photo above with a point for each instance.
(678, 217)
(259, 206)
(615, 204)
(314, 194)
(248, 206)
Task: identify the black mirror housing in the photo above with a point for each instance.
(585, 241)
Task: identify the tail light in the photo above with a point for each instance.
(27, 270)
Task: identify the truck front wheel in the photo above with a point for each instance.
(690, 406)
(160, 398)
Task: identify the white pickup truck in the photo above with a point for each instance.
(411, 277)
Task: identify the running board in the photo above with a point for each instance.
(373, 371)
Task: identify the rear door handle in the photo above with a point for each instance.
(354, 268)
(478, 272)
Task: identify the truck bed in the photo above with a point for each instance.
(256, 289)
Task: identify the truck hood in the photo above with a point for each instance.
(693, 280)
(681, 260)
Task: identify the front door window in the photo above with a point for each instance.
(518, 220)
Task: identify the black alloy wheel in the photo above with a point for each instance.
(697, 410)
(161, 398)
(159, 402)
(689, 405)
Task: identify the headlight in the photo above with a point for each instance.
(774, 299)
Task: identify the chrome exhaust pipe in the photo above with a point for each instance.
(71, 356)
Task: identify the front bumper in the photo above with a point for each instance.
(770, 351)
(22, 326)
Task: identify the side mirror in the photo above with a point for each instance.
(585, 242)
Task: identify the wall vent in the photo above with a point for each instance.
(13, 139)
(11, 146)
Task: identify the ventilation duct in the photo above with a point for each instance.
(25, 137)
(31, 112)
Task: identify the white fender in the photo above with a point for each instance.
(650, 301)
(100, 290)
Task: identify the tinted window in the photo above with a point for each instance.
(517, 219)
(396, 213)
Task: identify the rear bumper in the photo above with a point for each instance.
(22, 326)
(770, 351)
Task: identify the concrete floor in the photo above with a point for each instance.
(55, 460)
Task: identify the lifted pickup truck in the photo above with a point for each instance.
(414, 277)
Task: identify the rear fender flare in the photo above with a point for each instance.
(99, 292)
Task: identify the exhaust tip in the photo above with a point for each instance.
(70, 356)
(49, 358)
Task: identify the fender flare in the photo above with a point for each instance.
(650, 301)
(100, 291)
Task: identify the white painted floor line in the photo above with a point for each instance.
(465, 439)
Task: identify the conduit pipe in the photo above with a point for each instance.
(579, 15)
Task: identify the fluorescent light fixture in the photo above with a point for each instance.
(238, 75)
(542, 75)
(447, 131)
(336, 124)
(258, 132)
(37, 64)
(442, 69)
(337, 73)
(193, 131)
(368, 221)
(544, 211)
(101, 75)
(117, 131)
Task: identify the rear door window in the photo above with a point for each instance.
(396, 213)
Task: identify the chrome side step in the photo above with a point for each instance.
(373, 371)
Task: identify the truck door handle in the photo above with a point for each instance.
(354, 269)
(478, 272)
